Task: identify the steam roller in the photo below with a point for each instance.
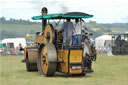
(50, 55)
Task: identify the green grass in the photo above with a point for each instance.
(117, 30)
(113, 29)
(95, 29)
(108, 70)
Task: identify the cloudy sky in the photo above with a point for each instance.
(104, 11)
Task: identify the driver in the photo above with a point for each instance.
(67, 28)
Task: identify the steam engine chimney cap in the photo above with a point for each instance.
(44, 10)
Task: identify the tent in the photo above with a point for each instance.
(14, 42)
(100, 41)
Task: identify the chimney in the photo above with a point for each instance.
(44, 11)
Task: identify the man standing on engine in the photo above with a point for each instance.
(77, 33)
(67, 28)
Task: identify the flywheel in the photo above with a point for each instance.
(47, 59)
(49, 33)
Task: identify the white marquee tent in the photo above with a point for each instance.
(14, 41)
(100, 41)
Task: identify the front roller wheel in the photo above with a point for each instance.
(47, 59)
(31, 66)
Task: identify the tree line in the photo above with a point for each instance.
(16, 21)
(104, 28)
(90, 23)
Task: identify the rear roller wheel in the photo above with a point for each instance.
(47, 59)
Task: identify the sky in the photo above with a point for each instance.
(104, 11)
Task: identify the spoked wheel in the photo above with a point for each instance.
(47, 59)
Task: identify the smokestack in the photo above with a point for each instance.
(44, 11)
(64, 9)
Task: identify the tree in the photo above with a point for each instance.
(2, 20)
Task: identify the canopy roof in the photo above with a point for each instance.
(72, 15)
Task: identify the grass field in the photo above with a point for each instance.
(108, 70)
